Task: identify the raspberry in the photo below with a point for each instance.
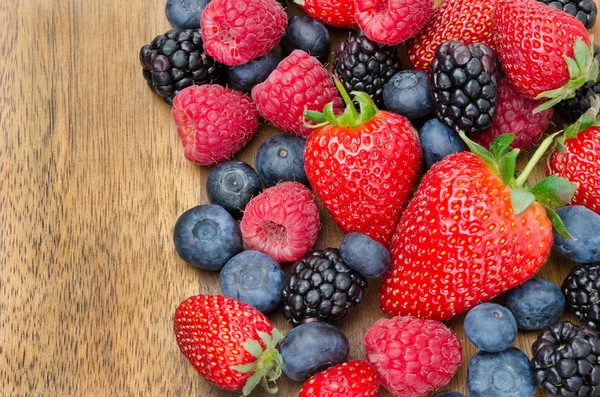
(282, 222)
(514, 115)
(213, 122)
(300, 82)
(392, 21)
(237, 31)
(412, 356)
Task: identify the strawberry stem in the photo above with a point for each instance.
(535, 159)
(346, 97)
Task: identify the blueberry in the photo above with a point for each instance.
(245, 77)
(535, 304)
(504, 374)
(407, 94)
(584, 226)
(490, 327)
(438, 141)
(231, 185)
(207, 237)
(307, 34)
(311, 348)
(185, 14)
(281, 158)
(365, 255)
(448, 393)
(254, 278)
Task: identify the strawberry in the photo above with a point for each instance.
(231, 344)
(338, 13)
(363, 166)
(350, 379)
(469, 21)
(471, 232)
(544, 52)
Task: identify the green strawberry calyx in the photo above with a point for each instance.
(268, 365)
(583, 67)
(586, 121)
(551, 192)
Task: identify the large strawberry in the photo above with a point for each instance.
(350, 379)
(577, 158)
(471, 232)
(469, 21)
(231, 344)
(545, 52)
(339, 13)
(363, 166)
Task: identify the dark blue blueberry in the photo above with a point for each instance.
(504, 374)
(408, 95)
(245, 77)
(535, 304)
(311, 348)
(185, 14)
(207, 237)
(584, 226)
(254, 278)
(231, 185)
(365, 255)
(448, 393)
(490, 327)
(306, 34)
(281, 158)
(438, 141)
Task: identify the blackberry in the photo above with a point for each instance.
(176, 60)
(566, 360)
(571, 109)
(581, 289)
(364, 65)
(321, 287)
(584, 10)
(464, 83)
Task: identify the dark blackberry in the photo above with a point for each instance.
(364, 65)
(176, 60)
(566, 360)
(321, 287)
(582, 293)
(571, 109)
(584, 10)
(464, 83)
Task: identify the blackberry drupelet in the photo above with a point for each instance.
(464, 83)
(321, 287)
(582, 293)
(176, 60)
(364, 65)
(584, 10)
(566, 360)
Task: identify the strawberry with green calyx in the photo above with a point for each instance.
(362, 165)
(471, 232)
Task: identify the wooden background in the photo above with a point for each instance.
(92, 180)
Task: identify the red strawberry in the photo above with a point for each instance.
(363, 166)
(350, 379)
(469, 21)
(339, 13)
(545, 52)
(231, 344)
(471, 232)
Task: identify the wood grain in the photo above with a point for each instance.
(92, 179)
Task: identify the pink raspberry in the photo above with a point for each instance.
(412, 356)
(300, 82)
(514, 115)
(392, 21)
(237, 31)
(213, 122)
(282, 222)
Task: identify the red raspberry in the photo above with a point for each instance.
(514, 115)
(282, 222)
(213, 122)
(237, 31)
(392, 21)
(300, 82)
(412, 356)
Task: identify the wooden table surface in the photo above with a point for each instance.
(92, 180)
